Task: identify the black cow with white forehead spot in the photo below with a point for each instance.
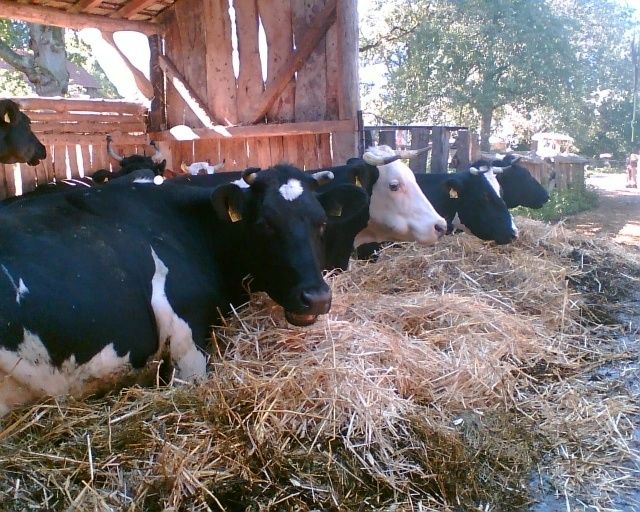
(90, 293)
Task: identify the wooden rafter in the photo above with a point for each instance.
(59, 18)
(317, 30)
(142, 83)
(191, 98)
(84, 5)
(132, 7)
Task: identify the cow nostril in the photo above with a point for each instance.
(441, 229)
(318, 300)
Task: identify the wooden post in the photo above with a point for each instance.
(157, 116)
(440, 151)
(345, 145)
(474, 147)
(463, 150)
(387, 138)
(419, 139)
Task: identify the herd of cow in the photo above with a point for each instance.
(100, 276)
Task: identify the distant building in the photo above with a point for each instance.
(548, 144)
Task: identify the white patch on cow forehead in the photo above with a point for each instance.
(291, 190)
(28, 373)
(493, 181)
(187, 359)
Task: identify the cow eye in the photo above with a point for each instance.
(394, 186)
(321, 228)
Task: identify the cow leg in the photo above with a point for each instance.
(13, 393)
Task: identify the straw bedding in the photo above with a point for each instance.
(444, 378)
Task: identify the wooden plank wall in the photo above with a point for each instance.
(74, 133)
(568, 175)
(200, 42)
(311, 151)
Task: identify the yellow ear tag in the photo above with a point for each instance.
(7, 119)
(453, 193)
(234, 214)
(358, 182)
(335, 212)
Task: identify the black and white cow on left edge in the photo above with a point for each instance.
(18, 144)
(90, 293)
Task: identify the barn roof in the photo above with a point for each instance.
(111, 15)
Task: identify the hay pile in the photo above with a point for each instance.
(443, 379)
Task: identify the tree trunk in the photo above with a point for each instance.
(485, 129)
(46, 69)
(50, 76)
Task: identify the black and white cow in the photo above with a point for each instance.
(470, 199)
(18, 144)
(346, 204)
(398, 210)
(518, 186)
(156, 163)
(90, 292)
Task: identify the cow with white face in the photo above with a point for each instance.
(398, 210)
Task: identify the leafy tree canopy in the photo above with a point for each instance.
(473, 61)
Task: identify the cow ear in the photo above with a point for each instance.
(363, 176)
(344, 201)
(453, 188)
(9, 112)
(228, 202)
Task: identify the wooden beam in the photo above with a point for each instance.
(141, 81)
(263, 130)
(132, 8)
(84, 5)
(68, 104)
(318, 28)
(193, 101)
(59, 18)
(157, 113)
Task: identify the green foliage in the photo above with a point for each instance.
(466, 61)
(562, 203)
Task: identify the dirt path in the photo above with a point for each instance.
(618, 214)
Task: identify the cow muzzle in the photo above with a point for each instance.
(314, 302)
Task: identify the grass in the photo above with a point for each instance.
(562, 203)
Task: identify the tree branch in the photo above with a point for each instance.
(395, 34)
(22, 63)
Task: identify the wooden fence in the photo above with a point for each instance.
(562, 172)
(437, 138)
(74, 133)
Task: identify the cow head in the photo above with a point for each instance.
(128, 164)
(17, 141)
(398, 209)
(480, 208)
(284, 224)
(519, 188)
(347, 209)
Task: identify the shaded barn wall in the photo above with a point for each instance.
(198, 41)
(74, 134)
